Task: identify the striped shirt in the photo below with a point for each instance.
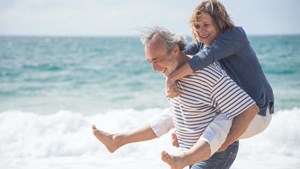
(203, 95)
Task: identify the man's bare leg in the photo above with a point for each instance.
(199, 152)
(114, 141)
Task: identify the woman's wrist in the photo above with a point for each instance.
(171, 77)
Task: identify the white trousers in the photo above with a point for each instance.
(215, 134)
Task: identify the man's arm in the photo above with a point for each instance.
(239, 125)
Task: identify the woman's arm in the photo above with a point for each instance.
(225, 45)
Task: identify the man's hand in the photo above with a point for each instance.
(174, 140)
(172, 89)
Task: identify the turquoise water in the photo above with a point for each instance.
(53, 88)
(280, 59)
(80, 74)
(88, 75)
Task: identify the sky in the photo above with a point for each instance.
(125, 17)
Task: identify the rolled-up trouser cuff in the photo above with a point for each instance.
(162, 123)
(215, 134)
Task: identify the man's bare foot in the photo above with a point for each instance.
(175, 162)
(109, 140)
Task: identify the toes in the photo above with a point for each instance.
(165, 156)
(95, 130)
(163, 153)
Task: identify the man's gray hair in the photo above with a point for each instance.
(171, 39)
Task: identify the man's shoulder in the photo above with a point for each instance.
(211, 69)
(211, 73)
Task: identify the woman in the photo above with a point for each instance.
(217, 39)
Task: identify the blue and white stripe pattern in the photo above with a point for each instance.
(203, 95)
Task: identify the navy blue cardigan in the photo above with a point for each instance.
(234, 52)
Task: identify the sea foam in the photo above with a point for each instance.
(64, 139)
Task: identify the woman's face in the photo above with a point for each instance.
(206, 29)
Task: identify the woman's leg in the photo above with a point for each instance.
(257, 125)
(114, 141)
(156, 127)
(210, 141)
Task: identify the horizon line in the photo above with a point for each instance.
(122, 35)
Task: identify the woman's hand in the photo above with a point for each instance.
(171, 87)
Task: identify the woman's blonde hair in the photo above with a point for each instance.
(216, 10)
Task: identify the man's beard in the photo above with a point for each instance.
(172, 66)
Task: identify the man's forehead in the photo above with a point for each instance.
(156, 42)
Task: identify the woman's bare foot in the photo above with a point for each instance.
(109, 140)
(175, 162)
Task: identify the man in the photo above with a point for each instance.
(202, 113)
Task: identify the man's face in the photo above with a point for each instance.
(159, 58)
(206, 29)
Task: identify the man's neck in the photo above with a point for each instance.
(182, 59)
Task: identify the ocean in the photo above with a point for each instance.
(52, 89)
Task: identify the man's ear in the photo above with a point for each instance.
(176, 49)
